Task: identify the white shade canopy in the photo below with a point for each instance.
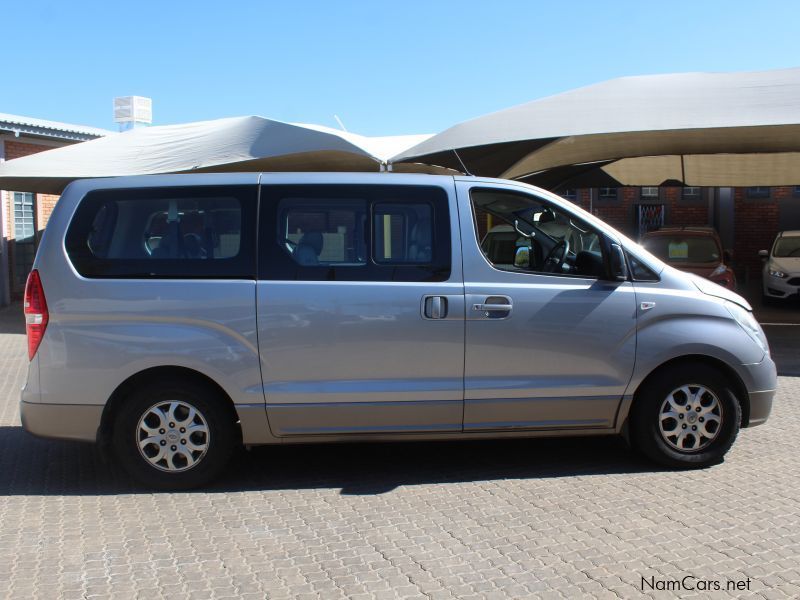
(705, 129)
(231, 144)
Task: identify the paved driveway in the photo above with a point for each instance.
(510, 519)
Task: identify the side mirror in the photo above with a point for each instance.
(764, 254)
(522, 258)
(727, 256)
(619, 267)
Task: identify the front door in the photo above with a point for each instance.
(360, 309)
(550, 341)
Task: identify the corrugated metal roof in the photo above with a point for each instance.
(52, 128)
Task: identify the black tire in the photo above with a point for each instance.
(649, 413)
(215, 418)
(767, 300)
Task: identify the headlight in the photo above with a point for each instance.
(775, 273)
(720, 270)
(748, 322)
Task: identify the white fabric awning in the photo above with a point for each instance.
(231, 144)
(746, 126)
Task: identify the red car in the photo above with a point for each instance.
(696, 250)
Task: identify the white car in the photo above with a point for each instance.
(782, 266)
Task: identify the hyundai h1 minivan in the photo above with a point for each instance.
(174, 318)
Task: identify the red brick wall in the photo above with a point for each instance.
(45, 202)
(621, 213)
(755, 226)
(16, 149)
(682, 213)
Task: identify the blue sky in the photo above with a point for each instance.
(383, 67)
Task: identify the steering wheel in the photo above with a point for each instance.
(552, 263)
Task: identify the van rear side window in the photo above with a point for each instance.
(200, 232)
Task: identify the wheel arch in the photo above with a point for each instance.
(737, 385)
(126, 388)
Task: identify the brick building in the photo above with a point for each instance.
(23, 215)
(747, 219)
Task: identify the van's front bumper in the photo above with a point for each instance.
(760, 407)
(61, 421)
(761, 381)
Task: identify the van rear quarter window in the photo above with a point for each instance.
(199, 232)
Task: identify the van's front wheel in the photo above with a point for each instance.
(173, 435)
(686, 416)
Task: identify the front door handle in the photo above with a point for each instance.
(494, 307)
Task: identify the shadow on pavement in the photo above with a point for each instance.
(31, 466)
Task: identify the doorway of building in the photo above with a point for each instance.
(789, 211)
(648, 218)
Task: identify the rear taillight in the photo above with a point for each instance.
(35, 312)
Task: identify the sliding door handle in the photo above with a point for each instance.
(435, 307)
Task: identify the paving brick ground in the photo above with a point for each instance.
(545, 519)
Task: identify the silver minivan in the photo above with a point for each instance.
(174, 318)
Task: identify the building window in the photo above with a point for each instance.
(691, 192)
(649, 192)
(24, 237)
(607, 193)
(758, 192)
(570, 194)
(24, 226)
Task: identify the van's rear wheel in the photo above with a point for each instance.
(687, 416)
(174, 434)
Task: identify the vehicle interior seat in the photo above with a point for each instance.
(193, 246)
(419, 249)
(310, 247)
(589, 264)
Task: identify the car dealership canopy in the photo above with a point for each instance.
(699, 129)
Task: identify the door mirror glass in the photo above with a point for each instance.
(522, 259)
(763, 254)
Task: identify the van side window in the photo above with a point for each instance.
(522, 234)
(319, 233)
(354, 233)
(164, 233)
(403, 233)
